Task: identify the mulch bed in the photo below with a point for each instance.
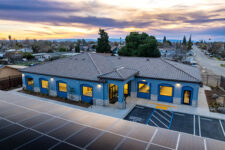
(210, 100)
(78, 103)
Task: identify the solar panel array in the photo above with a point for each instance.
(26, 123)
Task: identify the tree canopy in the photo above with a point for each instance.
(141, 45)
(184, 41)
(77, 47)
(189, 43)
(103, 42)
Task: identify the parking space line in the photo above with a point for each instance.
(194, 124)
(171, 120)
(165, 113)
(149, 118)
(154, 123)
(222, 128)
(163, 117)
(179, 114)
(199, 126)
(207, 119)
(160, 121)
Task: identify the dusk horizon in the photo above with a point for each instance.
(53, 19)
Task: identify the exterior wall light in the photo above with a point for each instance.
(52, 79)
(22, 75)
(178, 85)
(99, 85)
(144, 80)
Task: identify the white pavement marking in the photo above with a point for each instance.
(194, 125)
(222, 128)
(178, 140)
(160, 121)
(165, 113)
(199, 126)
(163, 117)
(154, 123)
(206, 119)
(179, 114)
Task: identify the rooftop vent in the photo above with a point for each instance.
(147, 59)
(83, 58)
(75, 58)
(119, 57)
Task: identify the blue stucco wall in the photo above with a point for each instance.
(177, 92)
(101, 92)
(97, 91)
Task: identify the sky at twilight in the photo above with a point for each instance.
(57, 19)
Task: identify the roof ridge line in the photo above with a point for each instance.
(179, 69)
(106, 73)
(94, 64)
(117, 70)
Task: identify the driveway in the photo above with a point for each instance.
(210, 64)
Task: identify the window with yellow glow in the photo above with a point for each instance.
(87, 91)
(30, 81)
(187, 95)
(44, 84)
(126, 89)
(166, 91)
(143, 88)
(62, 87)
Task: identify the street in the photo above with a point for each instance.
(210, 64)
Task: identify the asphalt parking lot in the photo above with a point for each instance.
(187, 123)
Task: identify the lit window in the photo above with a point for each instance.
(187, 96)
(126, 89)
(143, 88)
(62, 87)
(87, 91)
(44, 84)
(166, 91)
(30, 81)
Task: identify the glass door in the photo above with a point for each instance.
(113, 93)
(187, 97)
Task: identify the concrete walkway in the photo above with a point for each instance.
(113, 111)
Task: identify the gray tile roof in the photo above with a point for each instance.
(120, 74)
(94, 67)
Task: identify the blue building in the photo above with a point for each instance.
(101, 80)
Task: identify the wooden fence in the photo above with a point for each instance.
(10, 82)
